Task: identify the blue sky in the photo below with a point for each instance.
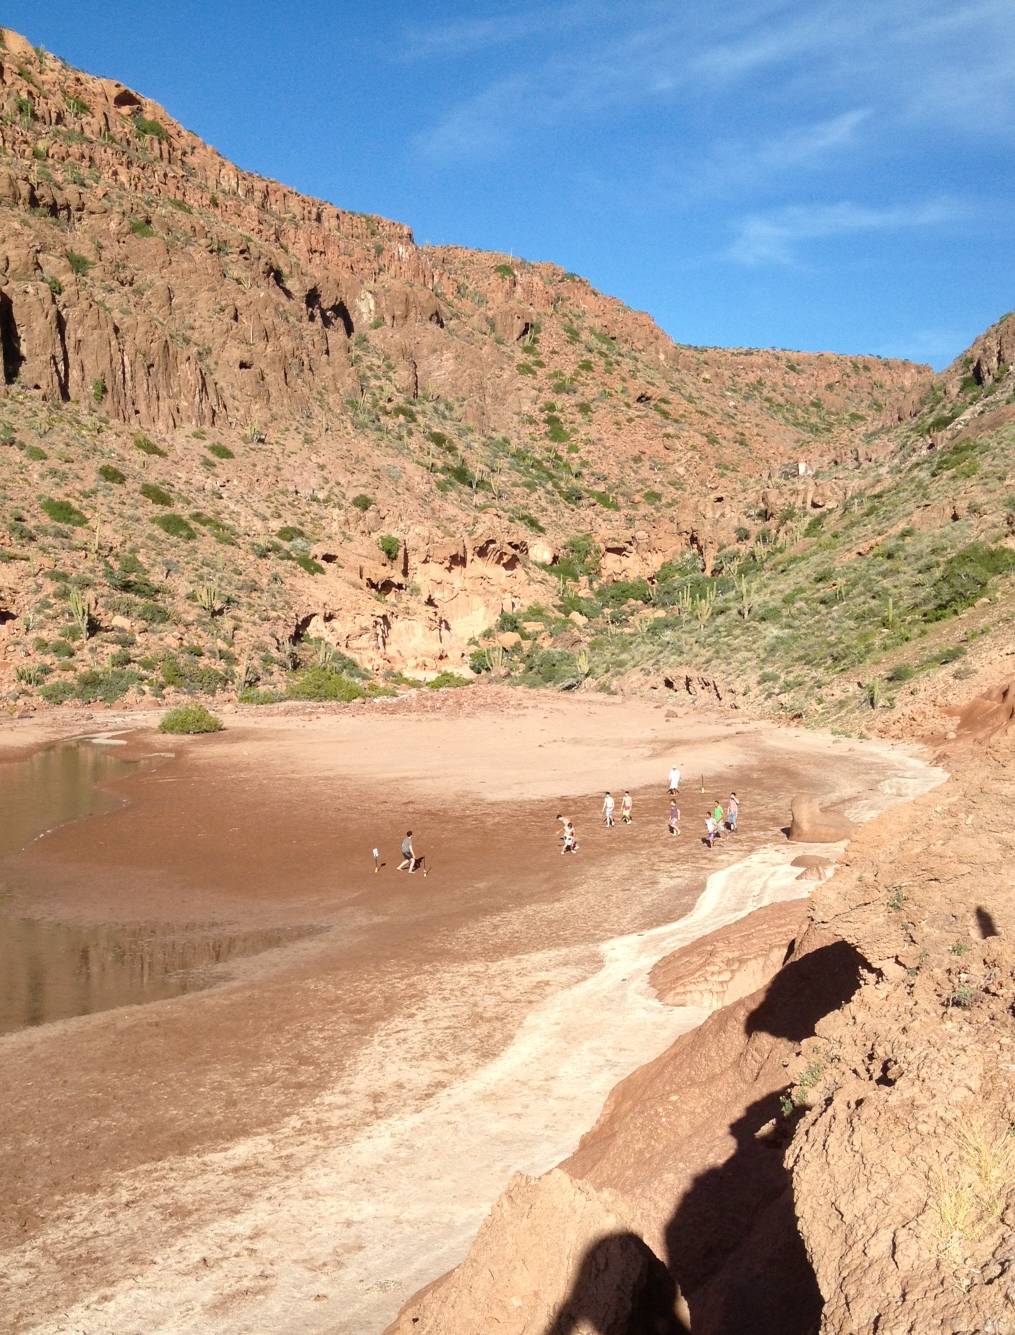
(835, 175)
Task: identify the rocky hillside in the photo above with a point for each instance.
(237, 420)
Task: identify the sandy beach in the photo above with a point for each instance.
(302, 1145)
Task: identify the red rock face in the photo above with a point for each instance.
(202, 295)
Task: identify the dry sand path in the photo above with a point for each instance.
(305, 1145)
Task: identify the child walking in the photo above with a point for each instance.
(674, 821)
(626, 807)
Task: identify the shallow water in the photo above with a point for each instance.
(51, 970)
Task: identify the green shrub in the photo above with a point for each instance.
(155, 494)
(504, 270)
(176, 526)
(110, 474)
(187, 674)
(34, 452)
(141, 227)
(221, 451)
(308, 564)
(57, 692)
(447, 681)
(62, 512)
(146, 446)
(250, 695)
(103, 686)
(149, 129)
(62, 649)
(965, 577)
(219, 531)
(80, 264)
(190, 719)
(389, 545)
(552, 667)
(321, 683)
(363, 502)
(621, 591)
(290, 533)
(902, 672)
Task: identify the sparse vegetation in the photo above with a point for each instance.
(190, 719)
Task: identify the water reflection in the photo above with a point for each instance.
(53, 786)
(54, 970)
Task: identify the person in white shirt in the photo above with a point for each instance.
(608, 805)
(675, 779)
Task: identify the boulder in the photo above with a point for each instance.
(810, 825)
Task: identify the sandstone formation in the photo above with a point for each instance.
(810, 825)
(554, 1257)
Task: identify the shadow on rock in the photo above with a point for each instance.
(622, 1288)
(732, 1246)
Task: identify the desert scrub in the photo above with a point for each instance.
(221, 451)
(321, 683)
(110, 474)
(289, 533)
(389, 545)
(363, 502)
(157, 495)
(176, 526)
(447, 681)
(80, 264)
(190, 719)
(63, 512)
(148, 446)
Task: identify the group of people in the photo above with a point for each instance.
(717, 821)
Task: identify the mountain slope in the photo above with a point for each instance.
(237, 420)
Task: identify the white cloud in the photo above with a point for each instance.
(774, 237)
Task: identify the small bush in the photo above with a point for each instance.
(80, 264)
(321, 683)
(504, 270)
(902, 672)
(289, 533)
(363, 502)
(311, 566)
(176, 526)
(57, 692)
(34, 452)
(156, 494)
(110, 474)
(149, 129)
(219, 531)
(99, 388)
(104, 686)
(140, 227)
(389, 545)
(190, 719)
(965, 577)
(146, 446)
(447, 681)
(221, 451)
(62, 512)
(251, 695)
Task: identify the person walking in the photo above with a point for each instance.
(570, 839)
(608, 807)
(626, 807)
(408, 855)
(674, 784)
(719, 816)
(710, 829)
(732, 812)
(673, 825)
